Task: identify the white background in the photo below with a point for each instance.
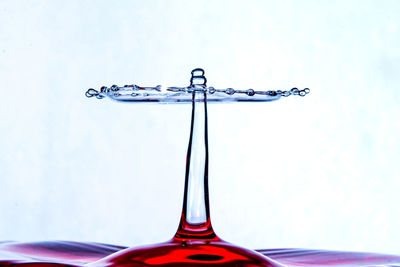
(315, 172)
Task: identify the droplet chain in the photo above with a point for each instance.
(211, 90)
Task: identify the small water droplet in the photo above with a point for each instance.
(230, 91)
(197, 72)
(91, 92)
(250, 92)
(295, 91)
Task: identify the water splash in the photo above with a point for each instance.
(198, 82)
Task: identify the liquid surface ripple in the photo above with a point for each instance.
(68, 253)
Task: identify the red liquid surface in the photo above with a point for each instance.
(64, 253)
(187, 253)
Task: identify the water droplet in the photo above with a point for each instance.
(91, 92)
(250, 92)
(295, 91)
(230, 91)
(197, 72)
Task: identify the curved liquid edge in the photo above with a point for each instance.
(67, 253)
(187, 253)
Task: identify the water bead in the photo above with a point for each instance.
(211, 90)
(230, 91)
(91, 92)
(250, 92)
(295, 91)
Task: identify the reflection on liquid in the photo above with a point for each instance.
(66, 253)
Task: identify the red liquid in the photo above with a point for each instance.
(193, 245)
(187, 253)
(63, 253)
